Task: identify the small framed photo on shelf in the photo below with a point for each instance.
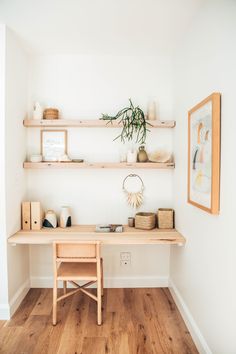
(53, 144)
(204, 154)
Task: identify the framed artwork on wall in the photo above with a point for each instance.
(53, 144)
(204, 154)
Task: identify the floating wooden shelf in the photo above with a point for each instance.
(89, 123)
(130, 235)
(98, 165)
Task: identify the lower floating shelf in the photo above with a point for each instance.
(98, 165)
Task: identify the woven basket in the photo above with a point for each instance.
(51, 113)
(145, 221)
(165, 218)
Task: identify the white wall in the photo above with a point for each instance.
(16, 85)
(4, 310)
(86, 86)
(203, 272)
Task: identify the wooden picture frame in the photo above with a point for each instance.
(204, 154)
(53, 144)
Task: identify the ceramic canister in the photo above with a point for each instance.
(38, 111)
(65, 217)
(132, 156)
(50, 219)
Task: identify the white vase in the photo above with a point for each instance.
(152, 111)
(132, 156)
(38, 111)
(65, 217)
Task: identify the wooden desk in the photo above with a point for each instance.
(130, 236)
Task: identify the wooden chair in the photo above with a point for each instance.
(77, 261)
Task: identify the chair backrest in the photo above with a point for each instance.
(76, 251)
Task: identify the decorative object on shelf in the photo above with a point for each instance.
(134, 199)
(64, 158)
(131, 222)
(142, 155)
(65, 217)
(134, 124)
(53, 144)
(109, 228)
(165, 218)
(36, 158)
(145, 221)
(152, 110)
(132, 155)
(204, 154)
(51, 113)
(160, 156)
(50, 219)
(37, 111)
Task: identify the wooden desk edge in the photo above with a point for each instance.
(129, 236)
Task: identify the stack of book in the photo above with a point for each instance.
(109, 228)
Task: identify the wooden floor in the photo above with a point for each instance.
(135, 321)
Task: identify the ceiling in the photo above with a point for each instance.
(115, 27)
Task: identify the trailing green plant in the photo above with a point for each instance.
(133, 122)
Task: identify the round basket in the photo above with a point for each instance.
(145, 221)
(51, 113)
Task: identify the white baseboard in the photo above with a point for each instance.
(4, 312)
(195, 332)
(19, 296)
(7, 310)
(111, 282)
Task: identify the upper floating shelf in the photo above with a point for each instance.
(89, 123)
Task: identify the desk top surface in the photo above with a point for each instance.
(130, 235)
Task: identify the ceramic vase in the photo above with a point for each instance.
(38, 111)
(142, 155)
(65, 217)
(151, 111)
(50, 219)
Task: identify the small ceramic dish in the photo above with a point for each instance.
(161, 156)
(36, 158)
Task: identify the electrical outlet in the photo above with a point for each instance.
(125, 263)
(125, 256)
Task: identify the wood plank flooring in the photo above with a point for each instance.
(135, 321)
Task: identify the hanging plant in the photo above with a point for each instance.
(134, 124)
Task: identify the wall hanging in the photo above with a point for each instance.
(204, 154)
(134, 199)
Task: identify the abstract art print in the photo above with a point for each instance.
(53, 144)
(204, 154)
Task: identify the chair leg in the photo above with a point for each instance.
(99, 302)
(54, 306)
(64, 286)
(102, 276)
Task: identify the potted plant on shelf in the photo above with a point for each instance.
(134, 124)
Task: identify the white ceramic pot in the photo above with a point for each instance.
(36, 158)
(65, 217)
(50, 219)
(38, 111)
(132, 156)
